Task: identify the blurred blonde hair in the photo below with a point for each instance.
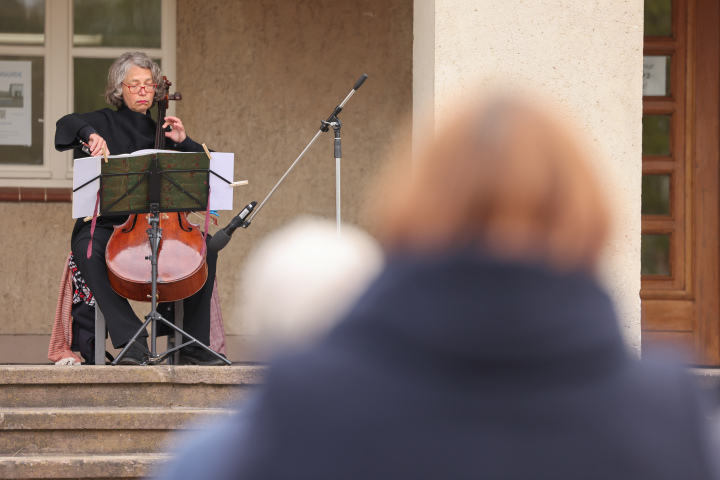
(503, 176)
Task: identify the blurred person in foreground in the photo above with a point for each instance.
(297, 283)
(486, 348)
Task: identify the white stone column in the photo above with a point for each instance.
(588, 56)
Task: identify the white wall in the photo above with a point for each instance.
(586, 55)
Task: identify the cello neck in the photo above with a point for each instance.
(162, 111)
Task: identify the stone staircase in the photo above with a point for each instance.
(108, 422)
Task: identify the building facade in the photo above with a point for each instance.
(257, 78)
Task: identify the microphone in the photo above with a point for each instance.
(221, 238)
(360, 81)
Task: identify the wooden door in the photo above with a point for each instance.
(680, 290)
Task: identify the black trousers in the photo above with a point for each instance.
(121, 321)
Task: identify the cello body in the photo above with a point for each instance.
(182, 269)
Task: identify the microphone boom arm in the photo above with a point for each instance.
(323, 128)
(222, 237)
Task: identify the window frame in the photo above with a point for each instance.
(58, 52)
(679, 283)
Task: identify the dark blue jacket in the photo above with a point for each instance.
(466, 368)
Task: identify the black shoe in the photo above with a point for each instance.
(192, 355)
(134, 355)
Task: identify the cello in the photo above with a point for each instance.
(182, 269)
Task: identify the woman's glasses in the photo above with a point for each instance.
(136, 88)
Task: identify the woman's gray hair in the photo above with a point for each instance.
(119, 70)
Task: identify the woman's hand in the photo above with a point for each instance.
(177, 134)
(96, 144)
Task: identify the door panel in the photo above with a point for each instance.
(680, 288)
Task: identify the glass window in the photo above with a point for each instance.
(22, 98)
(90, 81)
(32, 86)
(116, 23)
(658, 18)
(655, 254)
(656, 75)
(656, 195)
(656, 135)
(22, 22)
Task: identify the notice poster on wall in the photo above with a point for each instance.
(15, 103)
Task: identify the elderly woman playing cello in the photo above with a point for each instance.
(134, 83)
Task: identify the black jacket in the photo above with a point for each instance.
(470, 368)
(125, 131)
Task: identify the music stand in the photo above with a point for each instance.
(152, 184)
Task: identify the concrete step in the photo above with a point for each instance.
(125, 386)
(108, 422)
(106, 467)
(97, 431)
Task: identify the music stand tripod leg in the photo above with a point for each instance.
(193, 341)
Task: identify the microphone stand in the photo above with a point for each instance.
(336, 125)
(244, 218)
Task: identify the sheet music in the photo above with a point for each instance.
(85, 169)
(221, 195)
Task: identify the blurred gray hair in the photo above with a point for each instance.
(301, 280)
(119, 70)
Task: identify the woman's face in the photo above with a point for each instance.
(142, 100)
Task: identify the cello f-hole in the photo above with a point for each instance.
(131, 226)
(180, 217)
